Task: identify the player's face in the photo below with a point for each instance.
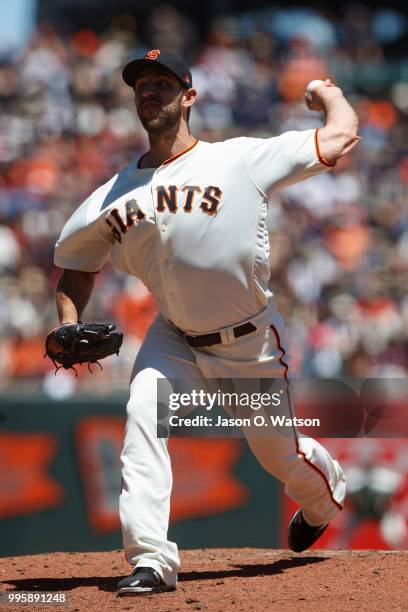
(158, 100)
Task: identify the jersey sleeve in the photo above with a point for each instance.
(85, 242)
(275, 163)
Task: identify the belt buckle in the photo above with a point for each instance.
(227, 335)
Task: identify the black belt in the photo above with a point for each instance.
(215, 338)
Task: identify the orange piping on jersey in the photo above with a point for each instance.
(298, 451)
(167, 161)
(180, 154)
(319, 155)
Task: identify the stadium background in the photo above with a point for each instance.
(339, 254)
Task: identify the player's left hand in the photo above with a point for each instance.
(73, 343)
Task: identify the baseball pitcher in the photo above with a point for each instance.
(189, 219)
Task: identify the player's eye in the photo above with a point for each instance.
(163, 84)
(140, 86)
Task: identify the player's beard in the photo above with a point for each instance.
(167, 119)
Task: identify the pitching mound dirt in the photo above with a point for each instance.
(220, 580)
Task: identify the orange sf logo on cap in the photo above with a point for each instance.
(153, 54)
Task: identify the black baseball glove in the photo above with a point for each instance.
(73, 343)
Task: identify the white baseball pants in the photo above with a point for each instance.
(311, 477)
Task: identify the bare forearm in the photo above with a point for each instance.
(339, 135)
(73, 293)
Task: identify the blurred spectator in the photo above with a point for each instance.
(338, 242)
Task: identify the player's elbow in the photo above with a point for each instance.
(338, 139)
(347, 136)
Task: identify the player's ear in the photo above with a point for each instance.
(189, 97)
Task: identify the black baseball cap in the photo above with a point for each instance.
(172, 62)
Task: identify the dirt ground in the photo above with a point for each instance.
(220, 580)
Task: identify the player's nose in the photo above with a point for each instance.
(149, 96)
(149, 90)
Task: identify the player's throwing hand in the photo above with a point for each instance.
(317, 92)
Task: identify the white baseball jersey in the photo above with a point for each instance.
(193, 229)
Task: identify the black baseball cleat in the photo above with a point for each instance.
(301, 535)
(143, 580)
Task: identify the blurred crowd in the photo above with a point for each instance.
(338, 242)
